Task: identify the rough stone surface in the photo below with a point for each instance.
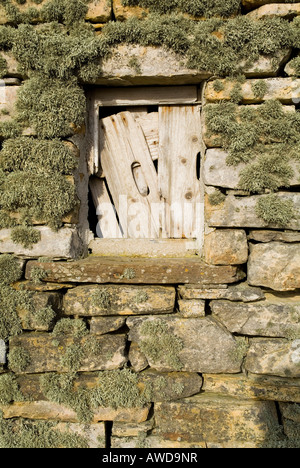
(207, 347)
(275, 265)
(278, 357)
(268, 11)
(2, 352)
(45, 355)
(40, 301)
(274, 236)
(215, 418)
(241, 292)
(64, 244)
(99, 11)
(136, 358)
(253, 386)
(240, 212)
(103, 325)
(286, 90)
(135, 271)
(191, 308)
(119, 300)
(219, 174)
(8, 97)
(226, 247)
(265, 318)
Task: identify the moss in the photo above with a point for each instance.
(216, 198)
(25, 236)
(37, 434)
(160, 345)
(66, 326)
(101, 298)
(218, 86)
(259, 88)
(273, 209)
(31, 154)
(37, 275)
(19, 359)
(9, 389)
(10, 269)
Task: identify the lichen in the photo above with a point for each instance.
(101, 298)
(37, 275)
(160, 345)
(10, 269)
(216, 198)
(26, 236)
(273, 209)
(9, 389)
(19, 359)
(67, 326)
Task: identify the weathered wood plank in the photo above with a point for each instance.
(108, 226)
(149, 124)
(101, 270)
(179, 145)
(124, 146)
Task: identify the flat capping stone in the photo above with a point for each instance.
(127, 270)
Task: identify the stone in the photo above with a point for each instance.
(274, 236)
(99, 11)
(251, 4)
(63, 244)
(226, 247)
(257, 387)
(290, 69)
(12, 65)
(241, 292)
(273, 356)
(169, 386)
(219, 174)
(47, 356)
(191, 308)
(136, 271)
(280, 10)
(290, 411)
(8, 98)
(241, 212)
(274, 265)
(41, 287)
(103, 325)
(286, 90)
(119, 300)
(30, 318)
(93, 434)
(216, 419)
(131, 430)
(2, 352)
(46, 410)
(136, 358)
(122, 12)
(266, 318)
(193, 345)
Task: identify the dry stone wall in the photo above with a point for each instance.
(194, 352)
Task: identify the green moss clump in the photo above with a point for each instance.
(259, 88)
(216, 198)
(37, 434)
(25, 236)
(160, 345)
(19, 359)
(30, 154)
(9, 389)
(10, 269)
(275, 210)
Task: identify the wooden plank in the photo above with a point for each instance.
(123, 145)
(179, 145)
(108, 226)
(146, 96)
(149, 124)
(102, 270)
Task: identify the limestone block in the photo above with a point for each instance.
(257, 387)
(290, 69)
(241, 292)
(12, 65)
(219, 174)
(93, 434)
(190, 345)
(135, 271)
(275, 265)
(8, 97)
(274, 236)
(46, 356)
(63, 244)
(99, 11)
(226, 247)
(136, 358)
(274, 317)
(191, 308)
(241, 212)
(286, 90)
(273, 356)
(119, 300)
(103, 325)
(288, 10)
(251, 4)
(2, 352)
(170, 386)
(216, 419)
(123, 13)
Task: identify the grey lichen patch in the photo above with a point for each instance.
(37, 275)
(159, 344)
(216, 198)
(10, 269)
(128, 273)
(273, 209)
(9, 389)
(240, 352)
(101, 298)
(25, 236)
(141, 297)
